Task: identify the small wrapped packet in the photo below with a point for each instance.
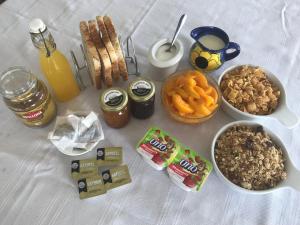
(116, 177)
(91, 186)
(109, 156)
(83, 168)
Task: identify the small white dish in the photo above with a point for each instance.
(292, 181)
(163, 68)
(282, 112)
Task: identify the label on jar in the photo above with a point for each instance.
(40, 114)
(33, 115)
(141, 88)
(113, 98)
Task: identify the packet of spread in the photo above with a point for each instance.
(83, 168)
(116, 177)
(109, 156)
(158, 148)
(91, 186)
(189, 170)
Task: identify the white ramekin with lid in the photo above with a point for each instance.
(282, 113)
(163, 68)
(292, 181)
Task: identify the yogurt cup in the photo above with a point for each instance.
(189, 170)
(163, 62)
(158, 148)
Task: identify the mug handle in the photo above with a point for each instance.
(231, 55)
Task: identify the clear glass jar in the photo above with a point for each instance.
(115, 107)
(27, 97)
(54, 64)
(141, 92)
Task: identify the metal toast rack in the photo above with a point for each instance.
(129, 56)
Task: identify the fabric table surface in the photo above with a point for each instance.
(36, 186)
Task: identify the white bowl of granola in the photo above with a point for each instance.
(251, 159)
(252, 93)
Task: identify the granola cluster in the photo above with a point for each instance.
(248, 157)
(248, 89)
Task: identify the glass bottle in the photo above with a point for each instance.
(53, 63)
(27, 97)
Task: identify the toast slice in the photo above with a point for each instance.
(91, 53)
(104, 57)
(115, 42)
(109, 47)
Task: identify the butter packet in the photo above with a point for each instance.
(109, 156)
(83, 168)
(91, 186)
(116, 177)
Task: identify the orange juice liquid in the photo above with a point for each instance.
(59, 74)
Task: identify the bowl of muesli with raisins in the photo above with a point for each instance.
(250, 158)
(251, 92)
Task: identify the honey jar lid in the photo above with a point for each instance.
(141, 89)
(113, 99)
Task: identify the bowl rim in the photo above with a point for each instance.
(210, 81)
(271, 76)
(278, 141)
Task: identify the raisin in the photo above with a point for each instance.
(249, 144)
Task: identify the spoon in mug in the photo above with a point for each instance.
(179, 26)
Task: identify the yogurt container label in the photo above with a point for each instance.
(189, 170)
(158, 148)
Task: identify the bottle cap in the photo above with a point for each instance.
(36, 25)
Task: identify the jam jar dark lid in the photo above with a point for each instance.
(113, 99)
(141, 89)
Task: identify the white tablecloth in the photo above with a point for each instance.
(35, 182)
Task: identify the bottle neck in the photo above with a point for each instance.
(44, 42)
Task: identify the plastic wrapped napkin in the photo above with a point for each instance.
(76, 133)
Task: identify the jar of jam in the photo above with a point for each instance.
(115, 108)
(142, 96)
(27, 97)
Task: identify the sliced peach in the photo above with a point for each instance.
(214, 94)
(190, 81)
(191, 91)
(212, 107)
(180, 81)
(208, 90)
(181, 92)
(195, 105)
(201, 80)
(203, 110)
(208, 100)
(181, 105)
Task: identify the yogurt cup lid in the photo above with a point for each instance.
(158, 148)
(189, 170)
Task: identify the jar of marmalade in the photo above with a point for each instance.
(27, 97)
(141, 93)
(115, 108)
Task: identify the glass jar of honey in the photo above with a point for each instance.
(115, 107)
(27, 97)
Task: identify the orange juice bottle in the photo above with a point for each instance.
(53, 63)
